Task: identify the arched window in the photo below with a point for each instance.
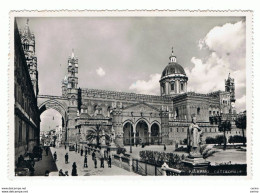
(172, 85)
(182, 87)
(198, 111)
(163, 87)
(177, 112)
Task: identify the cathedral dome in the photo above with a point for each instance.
(173, 68)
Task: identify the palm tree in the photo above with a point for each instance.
(96, 133)
(224, 126)
(241, 123)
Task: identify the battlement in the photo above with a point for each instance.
(124, 95)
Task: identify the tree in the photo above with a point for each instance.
(224, 126)
(241, 123)
(96, 133)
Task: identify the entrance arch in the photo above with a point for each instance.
(142, 132)
(128, 130)
(155, 133)
(61, 109)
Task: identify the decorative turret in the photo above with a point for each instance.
(28, 43)
(173, 80)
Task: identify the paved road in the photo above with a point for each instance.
(47, 163)
(91, 170)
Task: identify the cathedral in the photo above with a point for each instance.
(150, 119)
(128, 118)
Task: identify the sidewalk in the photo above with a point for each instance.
(47, 163)
(91, 170)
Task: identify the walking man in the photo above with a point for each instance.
(86, 151)
(66, 158)
(85, 161)
(65, 147)
(55, 156)
(102, 162)
(93, 155)
(81, 152)
(74, 169)
(109, 161)
(164, 147)
(47, 151)
(95, 162)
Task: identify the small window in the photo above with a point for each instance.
(198, 111)
(172, 85)
(182, 87)
(163, 88)
(177, 129)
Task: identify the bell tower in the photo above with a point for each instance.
(71, 81)
(28, 44)
(230, 87)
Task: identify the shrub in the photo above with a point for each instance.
(237, 139)
(210, 140)
(158, 158)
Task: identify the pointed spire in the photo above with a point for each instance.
(172, 57)
(72, 54)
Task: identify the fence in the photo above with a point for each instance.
(142, 168)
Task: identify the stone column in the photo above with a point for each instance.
(149, 134)
(134, 138)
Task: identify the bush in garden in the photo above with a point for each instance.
(158, 158)
(210, 140)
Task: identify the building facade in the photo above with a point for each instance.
(137, 118)
(27, 116)
(129, 117)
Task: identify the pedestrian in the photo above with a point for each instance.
(164, 147)
(76, 148)
(55, 156)
(40, 152)
(86, 151)
(47, 172)
(66, 173)
(65, 147)
(93, 155)
(61, 173)
(74, 169)
(81, 152)
(66, 158)
(102, 162)
(95, 162)
(47, 151)
(85, 161)
(109, 161)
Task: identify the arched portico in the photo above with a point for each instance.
(58, 104)
(155, 133)
(142, 131)
(128, 133)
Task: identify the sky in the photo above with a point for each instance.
(129, 53)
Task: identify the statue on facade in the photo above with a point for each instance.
(194, 138)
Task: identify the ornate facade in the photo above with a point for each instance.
(27, 116)
(130, 117)
(145, 118)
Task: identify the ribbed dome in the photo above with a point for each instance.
(173, 68)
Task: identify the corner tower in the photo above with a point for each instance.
(28, 44)
(230, 87)
(71, 93)
(173, 80)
